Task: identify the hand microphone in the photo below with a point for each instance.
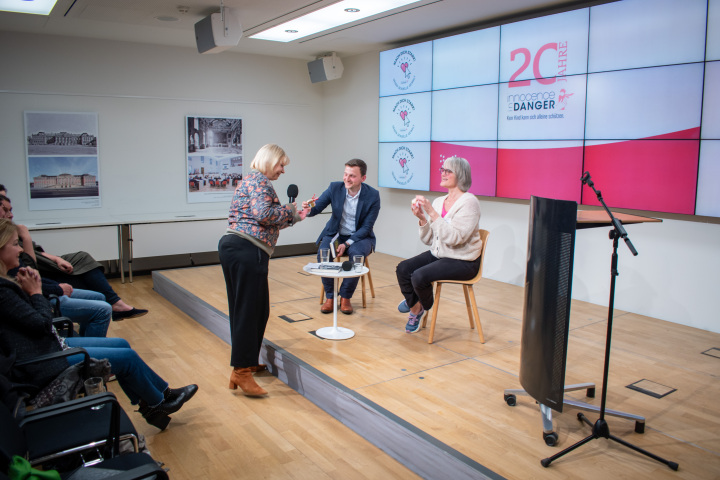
(347, 265)
(292, 192)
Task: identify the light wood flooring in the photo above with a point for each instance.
(451, 389)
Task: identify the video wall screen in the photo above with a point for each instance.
(629, 91)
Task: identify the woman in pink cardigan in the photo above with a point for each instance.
(450, 226)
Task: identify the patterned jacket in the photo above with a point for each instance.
(256, 212)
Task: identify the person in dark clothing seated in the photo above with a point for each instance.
(26, 330)
(79, 269)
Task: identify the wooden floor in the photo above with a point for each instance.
(452, 390)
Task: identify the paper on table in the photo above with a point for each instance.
(336, 267)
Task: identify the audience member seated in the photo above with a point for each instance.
(79, 269)
(86, 308)
(26, 329)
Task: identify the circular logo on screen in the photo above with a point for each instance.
(402, 159)
(403, 116)
(404, 75)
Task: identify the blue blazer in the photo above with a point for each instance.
(368, 209)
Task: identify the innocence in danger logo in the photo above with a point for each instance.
(539, 101)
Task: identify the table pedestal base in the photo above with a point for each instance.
(335, 333)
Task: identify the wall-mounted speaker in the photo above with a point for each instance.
(325, 68)
(218, 32)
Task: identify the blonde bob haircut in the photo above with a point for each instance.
(268, 157)
(7, 229)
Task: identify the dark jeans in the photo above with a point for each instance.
(416, 275)
(245, 267)
(347, 287)
(93, 280)
(136, 378)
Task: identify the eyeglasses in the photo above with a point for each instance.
(444, 171)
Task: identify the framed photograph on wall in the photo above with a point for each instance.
(62, 160)
(214, 158)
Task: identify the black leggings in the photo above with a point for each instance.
(416, 275)
(245, 267)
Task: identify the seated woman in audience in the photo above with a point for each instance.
(450, 226)
(26, 329)
(79, 269)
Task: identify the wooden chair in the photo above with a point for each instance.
(362, 281)
(470, 302)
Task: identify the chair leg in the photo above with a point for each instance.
(436, 307)
(467, 304)
(369, 276)
(362, 280)
(477, 314)
(322, 293)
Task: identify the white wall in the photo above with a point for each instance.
(142, 94)
(675, 277)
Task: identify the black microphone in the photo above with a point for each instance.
(292, 192)
(347, 265)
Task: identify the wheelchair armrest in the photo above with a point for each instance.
(150, 470)
(51, 356)
(79, 405)
(64, 326)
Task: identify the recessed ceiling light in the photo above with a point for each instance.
(36, 7)
(329, 17)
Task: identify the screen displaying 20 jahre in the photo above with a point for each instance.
(629, 91)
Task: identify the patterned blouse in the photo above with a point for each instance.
(256, 212)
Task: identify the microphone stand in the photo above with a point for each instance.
(600, 428)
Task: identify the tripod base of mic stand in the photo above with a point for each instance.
(601, 430)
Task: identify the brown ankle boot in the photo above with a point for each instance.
(243, 378)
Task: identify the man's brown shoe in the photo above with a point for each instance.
(327, 307)
(345, 306)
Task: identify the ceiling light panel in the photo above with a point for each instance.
(329, 17)
(37, 7)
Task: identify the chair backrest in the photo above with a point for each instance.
(484, 234)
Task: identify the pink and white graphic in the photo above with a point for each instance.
(563, 98)
(657, 174)
(482, 157)
(543, 169)
(406, 69)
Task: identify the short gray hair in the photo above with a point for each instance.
(461, 168)
(268, 157)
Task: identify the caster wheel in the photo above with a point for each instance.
(590, 392)
(551, 439)
(639, 427)
(510, 399)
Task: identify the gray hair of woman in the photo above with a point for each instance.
(268, 157)
(461, 168)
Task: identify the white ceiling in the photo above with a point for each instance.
(135, 21)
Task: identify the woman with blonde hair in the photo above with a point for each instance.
(26, 330)
(449, 225)
(254, 223)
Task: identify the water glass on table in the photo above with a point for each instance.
(358, 263)
(324, 255)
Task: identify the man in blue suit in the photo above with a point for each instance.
(355, 207)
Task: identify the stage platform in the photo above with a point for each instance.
(439, 408)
